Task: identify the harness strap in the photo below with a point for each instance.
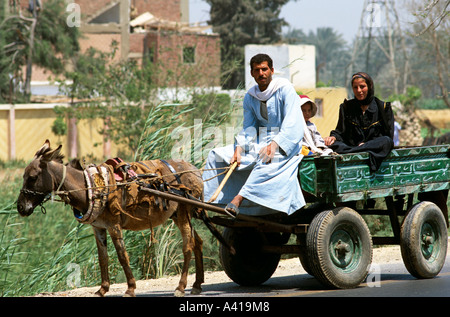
(172, 170)
(63, 178)
(97, 183)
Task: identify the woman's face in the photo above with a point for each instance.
(360, 88)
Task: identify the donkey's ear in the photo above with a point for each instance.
(75, 163)
(52, 155)
(44, 148)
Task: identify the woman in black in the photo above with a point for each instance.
(366, 124)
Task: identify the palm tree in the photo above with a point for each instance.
(328, 43)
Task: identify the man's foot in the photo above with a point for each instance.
(232, 209)
(233, 206)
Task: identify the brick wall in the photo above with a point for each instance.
(167, 49)
(89, 8)
(164, 9)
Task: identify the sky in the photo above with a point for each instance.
(344, 16)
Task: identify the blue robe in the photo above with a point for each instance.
(267, 187)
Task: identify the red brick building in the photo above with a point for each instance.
(193, 59)
(190, 56)
(155, 31)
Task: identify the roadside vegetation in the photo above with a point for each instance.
(50, 251)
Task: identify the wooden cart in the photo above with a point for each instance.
(333, 240)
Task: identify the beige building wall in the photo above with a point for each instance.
(328, 100)
(4, 135)
(439, 118)
(32, 125)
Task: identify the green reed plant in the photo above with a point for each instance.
(44, 253)
(167, 255)
(10, 243)
(156, 254)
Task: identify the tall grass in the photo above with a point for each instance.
(52, 252)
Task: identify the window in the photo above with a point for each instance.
(150, 54)
(189, 55)
(319, 104)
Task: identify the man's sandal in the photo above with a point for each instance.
(232, 209)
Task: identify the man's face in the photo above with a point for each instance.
(262, 74)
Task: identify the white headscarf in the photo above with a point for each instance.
(274, 85)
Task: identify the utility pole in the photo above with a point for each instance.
(380, 26)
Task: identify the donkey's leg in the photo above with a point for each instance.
(116, 235)
(183, 223)
(100, 238)
(199, 270)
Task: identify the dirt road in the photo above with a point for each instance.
(166, 286)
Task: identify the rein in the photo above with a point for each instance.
(91, 186)
(47, 196)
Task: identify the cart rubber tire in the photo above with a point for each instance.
(423, 240)
(339, 248)
(249, 266)
(303, 256)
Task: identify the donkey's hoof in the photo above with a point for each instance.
(129, 295)
(100, 293)
(179, 293)
(196, 291)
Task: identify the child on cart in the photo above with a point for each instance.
(312, 142)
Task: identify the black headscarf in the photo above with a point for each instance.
(369, 82)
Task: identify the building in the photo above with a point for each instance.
(155, 31)
(296, 63)
(166, 39)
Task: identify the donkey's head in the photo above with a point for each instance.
(38, 181)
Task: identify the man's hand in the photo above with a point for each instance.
(268, 152)
(236, 156)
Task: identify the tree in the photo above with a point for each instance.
(432, 15)
(294, 36)
(331, 52)
(242, 22)
(37, 37)
(431, 40)
(329, 44)
(125, 96)
(380, 47)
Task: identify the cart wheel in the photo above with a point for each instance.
(249, 266)
(303, 255)
(339, 248)
(423, 240)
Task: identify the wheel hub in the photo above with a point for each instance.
(343, 249)
(428, 242)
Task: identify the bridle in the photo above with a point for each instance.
(47, 196)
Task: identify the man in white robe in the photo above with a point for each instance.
(267, 149)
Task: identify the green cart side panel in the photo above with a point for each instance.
(347, 177)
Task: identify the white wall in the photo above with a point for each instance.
(297, 63)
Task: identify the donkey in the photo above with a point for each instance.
(46, 173)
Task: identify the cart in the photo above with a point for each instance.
(329, 234)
